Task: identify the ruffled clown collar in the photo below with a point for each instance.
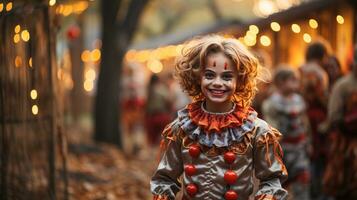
(218, 129)
(216, 122)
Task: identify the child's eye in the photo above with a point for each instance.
(209, 75)
(227, 77)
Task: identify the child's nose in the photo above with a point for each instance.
(217, 82)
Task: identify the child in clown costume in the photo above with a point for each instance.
(286, 110)
(216, 143)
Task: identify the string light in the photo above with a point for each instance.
(95, 55)
(25, 35)
(155, 66)
(275, 26)
(67, 10)
(313, 23)
(16, 38)
(90, 75)
(250, 40)
(17, 28)
(1, 7)
(30, 62)
(18, 61)
(85, 56)
(265, 40)
(307, 38)
(52, 2)
(34, 109)
(340, 19)
(8, 6)
(33, 94)
(295, 28)
(88, 85)
(254, 29)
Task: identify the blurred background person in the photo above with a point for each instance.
(333, 69)
(132, 104)
(264, 87)
(286, 110)
(314, 88)
(178, 97)
(341, 178)
(158, 109)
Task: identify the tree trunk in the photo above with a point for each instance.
(106, 105)
(116, 38)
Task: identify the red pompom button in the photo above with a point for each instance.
(190, 170)
(191, 189)
(230, 177)
(231, 195)
(194, 150)
(229, 157)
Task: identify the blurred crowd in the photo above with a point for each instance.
(314, 106)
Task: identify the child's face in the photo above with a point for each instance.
(219, 78)
(289, 86)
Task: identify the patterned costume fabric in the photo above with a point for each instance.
(213, 156)
(340, 178)
(288, 115)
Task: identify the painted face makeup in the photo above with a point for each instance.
(218, 82)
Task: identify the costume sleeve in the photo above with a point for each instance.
(164, 183)
(269, 167)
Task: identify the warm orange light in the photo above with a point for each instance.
(265, 40)
(16, 38)
(86, 56)
(179, 49)
(155, 66)
(33, 94)
(340, 19)
(307, 37)
(96, 55)
(90, 75)
(250, 40)
(8, 6)
(67, 10)
(88, 85)
(275, 26)
(295, 28)
(17, 28)
(34, 109)
(30, 62)
(51, 2)
(25, 35)
(254, 29)
(130, 55)
(18, 61)
(1, 7)
(313, 23)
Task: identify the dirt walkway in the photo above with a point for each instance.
(102, 172)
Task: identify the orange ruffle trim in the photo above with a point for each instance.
(211, 122)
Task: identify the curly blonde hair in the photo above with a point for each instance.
(191, 62)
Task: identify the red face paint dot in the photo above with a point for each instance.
(214, 63)
(225, 65)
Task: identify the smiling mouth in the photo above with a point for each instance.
(218, 92)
